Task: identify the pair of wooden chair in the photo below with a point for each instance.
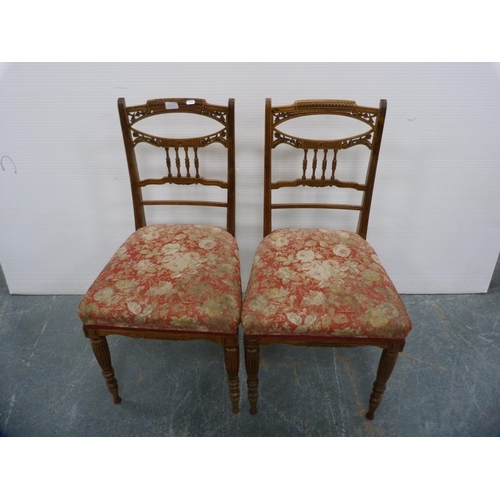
(308, 287)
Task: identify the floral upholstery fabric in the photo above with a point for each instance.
(171, 277)
(313, 282)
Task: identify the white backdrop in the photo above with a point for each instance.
(65, 199)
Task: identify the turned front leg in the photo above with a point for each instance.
(232, 362)
(385, 367)
(252, 355)
(103, 356)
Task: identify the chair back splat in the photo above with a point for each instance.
(179, 280)
(182, 162)
(321, 157)
(321, 286)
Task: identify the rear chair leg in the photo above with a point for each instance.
(385, 367)
(252, 354)
(232, 361)
(101, 352)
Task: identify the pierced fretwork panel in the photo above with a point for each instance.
(364, 139)
(173, 106)
(163, 142)
(349, 110)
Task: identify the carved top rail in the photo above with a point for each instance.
(177, 105)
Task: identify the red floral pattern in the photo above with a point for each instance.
(321, 283)
(171, 277)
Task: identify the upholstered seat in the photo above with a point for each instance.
(321, 283)
(176, 277)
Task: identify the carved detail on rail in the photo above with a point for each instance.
(161, 142)
(135, 116)
(364, 116)
(364, 139)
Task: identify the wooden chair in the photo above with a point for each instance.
(172, 281)
(322, 287)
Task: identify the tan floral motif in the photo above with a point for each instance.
(172, 277)
(305, 255)
(322, 283)
(341, 250)
(207, 243)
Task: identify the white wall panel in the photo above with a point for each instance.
(65, 201)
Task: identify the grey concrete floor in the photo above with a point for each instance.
(446, 383)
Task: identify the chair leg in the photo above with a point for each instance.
(252, 354)
(101, 352)
(232, 361)
(385, 367)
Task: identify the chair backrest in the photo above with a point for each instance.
(318, 164)
(182, 164)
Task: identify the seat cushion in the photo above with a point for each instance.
(171, 277)
(314, 282)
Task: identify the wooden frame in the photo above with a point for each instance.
(129, 116)
(274, 137)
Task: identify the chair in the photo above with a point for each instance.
(172, 281)
(321, 287)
